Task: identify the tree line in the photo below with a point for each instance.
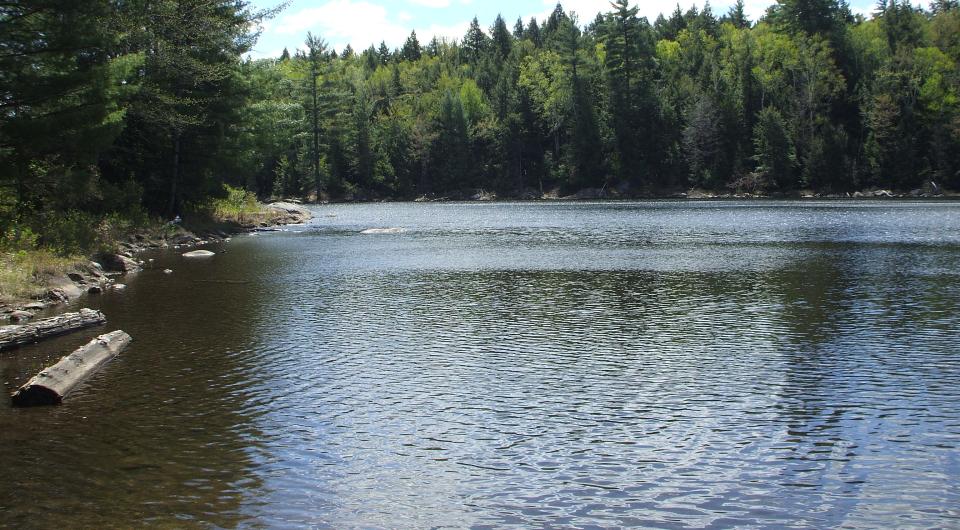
(108, 105)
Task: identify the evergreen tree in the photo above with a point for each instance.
(775, 156)
(810, 16)
(502, 40)
(474, 42)
(738, 16)
(703, 143)
(315, 53)
(384, 53)
(411, 48)
(64, 89)
(518, 29)
(533, 33)
(188, 94)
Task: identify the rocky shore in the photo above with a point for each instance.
(103, 271)
(928, 191)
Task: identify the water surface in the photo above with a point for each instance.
(659, 364)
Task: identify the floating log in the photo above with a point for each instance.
(13, 336)
(51, 385)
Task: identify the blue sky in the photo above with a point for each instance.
(363, 22)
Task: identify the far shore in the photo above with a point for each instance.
(612, 194)
(72, 278)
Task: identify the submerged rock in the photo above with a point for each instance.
(199, 254)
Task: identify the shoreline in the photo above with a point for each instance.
(99, 272)
(691, 194)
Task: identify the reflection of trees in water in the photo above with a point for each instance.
(851, 318)
(815, 449)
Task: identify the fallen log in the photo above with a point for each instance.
(13, 336)
(51, 385)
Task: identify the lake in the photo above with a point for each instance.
(658, 364)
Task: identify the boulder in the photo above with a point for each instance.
(289, 213)
(199, 254)
(119, 263)
(20, 316)
(35, 306)
(118, 287)
(95, 289)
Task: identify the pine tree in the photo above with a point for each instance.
(188, 94)
(474, 42)
(810, 16)
(411, 48)
(502, 40)
(65, 82)
(315, 53)
(738, 16)
(518, 29)
(384, 53)
(533, 33)
(775, 155)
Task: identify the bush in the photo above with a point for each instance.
(239, 204)
(69, 233)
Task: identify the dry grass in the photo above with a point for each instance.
(26, 274)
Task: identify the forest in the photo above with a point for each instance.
(128, 108)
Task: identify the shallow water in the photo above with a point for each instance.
(658, 364)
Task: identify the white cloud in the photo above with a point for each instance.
(437, 4)
(359, 23)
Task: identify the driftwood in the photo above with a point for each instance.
(53, 383)
(13, 336)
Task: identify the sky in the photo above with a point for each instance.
(364, 22)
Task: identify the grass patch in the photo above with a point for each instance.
(239, 206)
(25, 274)
(49, 245)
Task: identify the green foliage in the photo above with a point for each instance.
(239, 204)
(122, 106)
(775, 155)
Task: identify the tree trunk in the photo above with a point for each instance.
(51, 385)
(172, 204)
(13, 336)
(316, 132)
